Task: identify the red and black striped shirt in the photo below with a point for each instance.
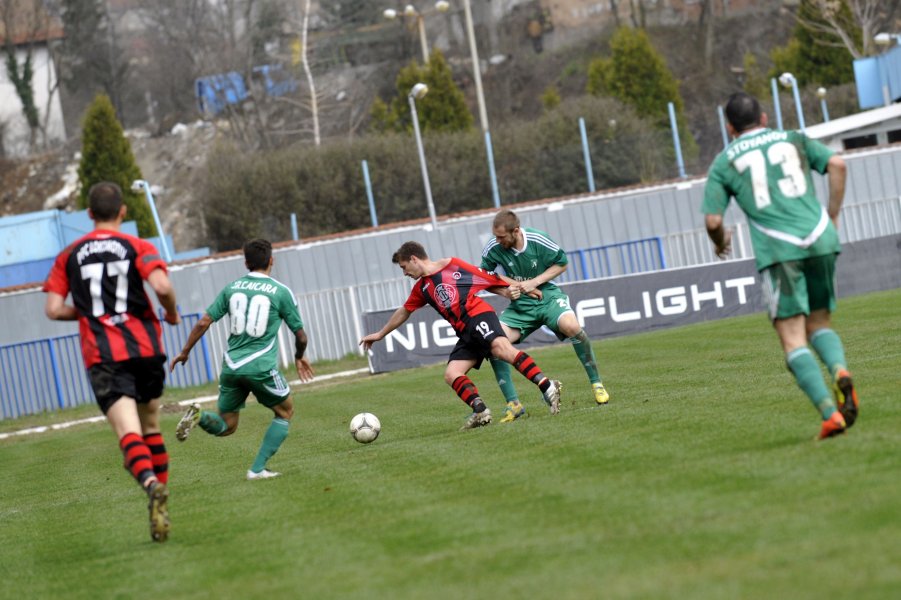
(453, 290)
(105, 272)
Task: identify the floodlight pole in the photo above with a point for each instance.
(411, 97)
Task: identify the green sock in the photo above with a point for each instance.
(828, 347)
(582, 346)
(502, 374)
(807, 373)
(212, 423)
(272, 441)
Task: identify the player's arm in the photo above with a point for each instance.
(837, 173)
(396, 320)
(719, 235)
(303, 366)
(196, 333)
(513, 291)
(162, 286)
(550, 273)
(56, 308)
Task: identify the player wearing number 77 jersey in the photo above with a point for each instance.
(105, 271)
(795, 242)
(256, 305)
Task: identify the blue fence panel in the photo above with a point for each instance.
(49, 374)
(197, 370)
(636, 256)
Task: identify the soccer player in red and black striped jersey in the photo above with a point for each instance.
(121, 341)
(451, 287)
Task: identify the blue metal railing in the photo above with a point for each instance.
(49, 374)
(636, 256)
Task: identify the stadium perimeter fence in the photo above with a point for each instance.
(48, 374)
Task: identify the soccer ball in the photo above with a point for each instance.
(365, 427)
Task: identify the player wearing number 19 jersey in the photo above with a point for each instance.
(256, 305)
(450, 286)
(105, 272)
(795, 242)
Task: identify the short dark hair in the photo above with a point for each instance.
(409, 250)
(506, 219)
(743, 111)
(257, 253)
(104, 200)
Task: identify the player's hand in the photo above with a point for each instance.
(172, 318)
(535, 293)
(181, 358)
(369, 340)
(725, 247)
(304, 369)
(514, 292)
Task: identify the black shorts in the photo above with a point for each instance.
(475, 340)
(138, 378)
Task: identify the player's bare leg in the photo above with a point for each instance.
(550, 389)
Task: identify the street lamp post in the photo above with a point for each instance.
(417, 92)
(821, 94)
(480, 97)
(789, 80)
(138, 185)
(410, 11)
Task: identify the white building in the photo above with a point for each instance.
(873, 127)
(32, 34)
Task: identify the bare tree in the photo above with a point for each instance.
(867, 18)
(314, 105)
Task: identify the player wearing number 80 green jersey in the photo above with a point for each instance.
(256, 305)
(795, 241)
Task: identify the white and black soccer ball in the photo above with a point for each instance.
(365, 427)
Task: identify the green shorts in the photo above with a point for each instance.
(270, 389)
(797, 287)
(529, 317)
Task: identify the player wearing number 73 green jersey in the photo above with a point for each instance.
(768, 173)
(795, 241)
(256, 305)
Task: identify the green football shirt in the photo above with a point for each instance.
(539, 253)
(256, 305)
(767, 171)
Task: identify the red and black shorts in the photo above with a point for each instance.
(138, 378)
(475, 340)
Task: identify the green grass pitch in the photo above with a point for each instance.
(701, 479)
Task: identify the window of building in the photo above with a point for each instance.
(860, 141)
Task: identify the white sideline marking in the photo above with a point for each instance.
(199, 400)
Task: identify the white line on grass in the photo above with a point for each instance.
(198, 400)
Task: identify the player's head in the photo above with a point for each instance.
(409, 258)
(105, 201)
(258, 254)
(506, 228)
(743, 112)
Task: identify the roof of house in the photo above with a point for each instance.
(854, 122)
(26, 21)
